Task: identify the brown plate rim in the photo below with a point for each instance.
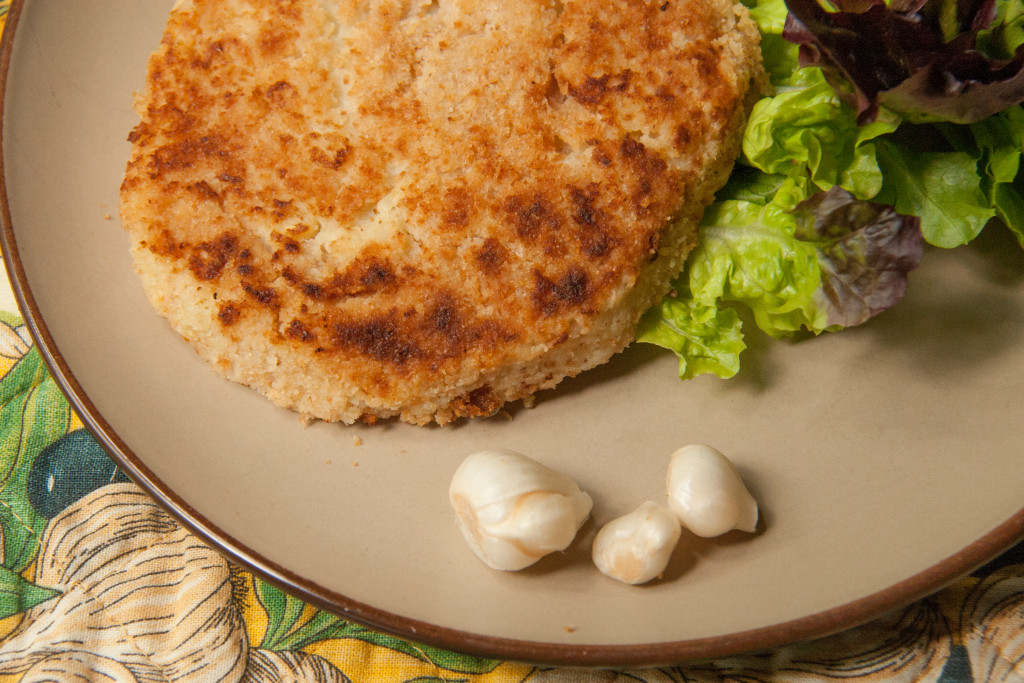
(812, 626)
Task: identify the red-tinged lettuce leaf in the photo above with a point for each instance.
(865, 252)
(961, 88)
(917, 57)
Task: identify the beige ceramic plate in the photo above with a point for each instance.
(887, 458)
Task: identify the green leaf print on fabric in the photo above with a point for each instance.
(450, 661)
(18, 595)
(286, 630)
(283, 611)
(33, 414)
(27, 373)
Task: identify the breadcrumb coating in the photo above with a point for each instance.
(425, 210)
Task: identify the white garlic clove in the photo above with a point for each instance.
(636, 548)
(513, 510)
(706, 492)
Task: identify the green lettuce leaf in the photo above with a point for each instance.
(999, 40)
(780, 56)
(748, 252)
(806, 125)
(942, 188)
(1000, 142)
(815, 262)
(770, 17)
(1009, 205)
(707, 340)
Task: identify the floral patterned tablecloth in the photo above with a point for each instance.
(99, 583)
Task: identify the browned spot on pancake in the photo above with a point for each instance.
(275, 39)
(458, 205)
(183, 154)
(228, 314)
(531, 215)
(664, 94)
(444, 316)
(140, 133)
(592, 232)
(281, 93)
(206, 59)
(203, 190)
(209, 258)
(297, 330)
(593, 90)
(708, 59)
(694, 131)
(378, 337)
(599, 153)
(374, 274)
(491, 255)
(569, 291)
(653, 245)
(444, 324)
(332, 160)
(265, 296)
(164, 244)
(653, 184)
(684, 139)
(363, 277)
(289, 244)
(451, 328)
(244, 266)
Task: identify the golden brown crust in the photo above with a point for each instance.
(426, 209)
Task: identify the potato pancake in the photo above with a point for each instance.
(423, 210)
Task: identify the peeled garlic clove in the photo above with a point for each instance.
(636, 548)
(513, 510)
(707, 493)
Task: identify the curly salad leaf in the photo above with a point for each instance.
(918, 57)
(820, 263)
(828, 210)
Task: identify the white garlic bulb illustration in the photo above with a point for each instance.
(269, 666)
(137, 589)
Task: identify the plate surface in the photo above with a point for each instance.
(887, 459)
